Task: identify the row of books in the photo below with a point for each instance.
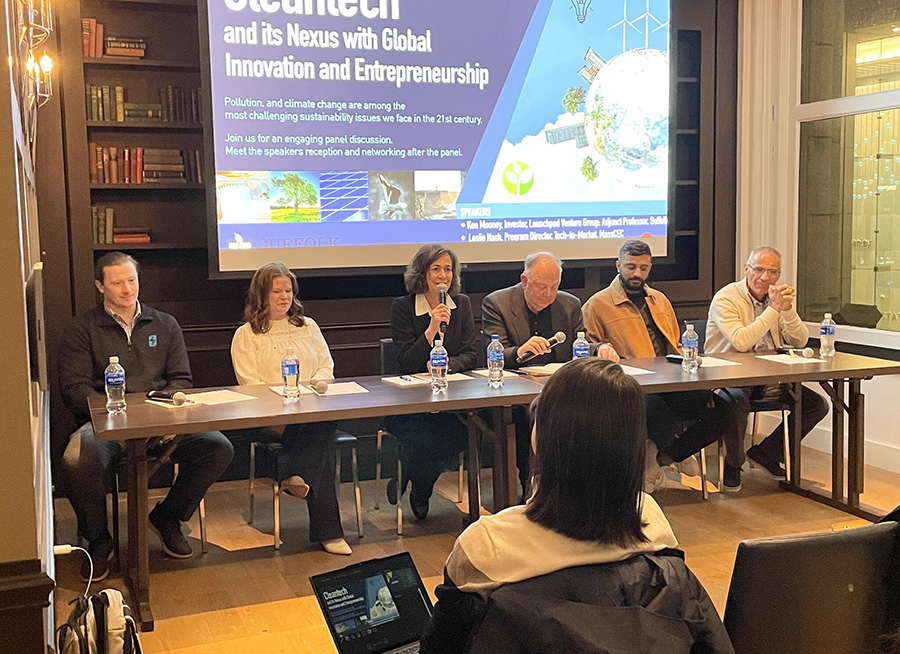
(105, 231)
(108, 103)
(95, 44)
(139, 165)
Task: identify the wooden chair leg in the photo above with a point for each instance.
(115, 520)
(338, 454)
(721, 448)
(276, 506)
(399, 496)
(379, 435)
(703, 489)
(787, 446)
(202, 517)
(356, 493)
(460, 479)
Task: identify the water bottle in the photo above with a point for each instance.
(580, 347)
(826, 337)
(439, 365)
(495, 362)
(290, 376)
(114, 380)
(690, 343)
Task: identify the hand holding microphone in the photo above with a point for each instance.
(442, 300)
(171, 397)
(536, 346)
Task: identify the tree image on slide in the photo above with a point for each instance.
(300, 195)
(574, 99)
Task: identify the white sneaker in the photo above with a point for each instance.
(654, 475)
(689, 467)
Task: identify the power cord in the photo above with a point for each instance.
(63, 550)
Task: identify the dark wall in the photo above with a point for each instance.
(354, 311)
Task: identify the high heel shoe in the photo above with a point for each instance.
(337, 546)
(295, 487)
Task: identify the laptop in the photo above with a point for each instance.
(375, 607)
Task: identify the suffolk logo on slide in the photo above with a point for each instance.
(372, 124)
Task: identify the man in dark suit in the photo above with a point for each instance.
(525, 317)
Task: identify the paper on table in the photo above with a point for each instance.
(219, 397)
(456, 376)
(629, 370)
(547, 369)
(169, 405)
(405, 380)
(334, 388)
(788, 359)
(482, 372)
(713, 362)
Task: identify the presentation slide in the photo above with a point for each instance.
(349, 132)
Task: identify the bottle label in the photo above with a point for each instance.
(438, 360)
(581, 350)
(115, 379)
(495, 355)
(289, 368)
(826, 330)
(690, 343)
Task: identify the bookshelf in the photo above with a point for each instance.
(149, 115)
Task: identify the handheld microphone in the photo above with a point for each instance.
(806, 352)
(172, 397)
(320, 386)
(442, 299)
(558, 337)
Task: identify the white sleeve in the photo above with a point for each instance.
(325, 364)
(243, 357)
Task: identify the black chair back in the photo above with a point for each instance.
(827, 593)
(700, 328)
(389, 362)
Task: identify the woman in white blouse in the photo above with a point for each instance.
(274, 321)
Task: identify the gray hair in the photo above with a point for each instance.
(755, 252)
(540, 255)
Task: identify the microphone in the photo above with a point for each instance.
(806, 352)
(442, 299)
(172, 397)
(320, 386)
(558, 337)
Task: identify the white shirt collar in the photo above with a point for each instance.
(422, 304)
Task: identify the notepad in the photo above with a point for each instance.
(788, 359)
(629, 370)
(405, 380)
(219, 397)
(484, 373)
(542, 371)
(713, 362)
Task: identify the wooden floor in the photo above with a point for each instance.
(244, 597)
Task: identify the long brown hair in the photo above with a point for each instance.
(256, 311)
(590, 439)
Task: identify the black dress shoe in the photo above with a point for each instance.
(419, 508)
(392, 490)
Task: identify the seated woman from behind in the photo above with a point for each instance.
(588, 564)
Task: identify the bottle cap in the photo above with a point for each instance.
(437, 342)
(114, 359)
(495, 337)
(690, 326)
(580, 334)
(827, 316)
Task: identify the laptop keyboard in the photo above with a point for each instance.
(409, 649)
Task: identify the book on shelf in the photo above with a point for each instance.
(131, 238)
(139, 231)
(102, 224)
(120, 104)
(98, 40)
(118, 46)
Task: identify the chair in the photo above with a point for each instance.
(756, 407)
(834, 592)
(390, 366)
(273, 451)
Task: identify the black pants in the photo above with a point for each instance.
(309, 452)
(813, 408)
(429, 444)
(713, 414)
(202, 459)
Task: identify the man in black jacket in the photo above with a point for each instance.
(151, 349)
(525, 317)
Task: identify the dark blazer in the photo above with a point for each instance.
(408, 332)
(155, 359)
(648, 603)
(504, 313)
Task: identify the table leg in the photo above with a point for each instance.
(855, 443)
(794, 433)
(137, 568)
(837, 441)
(506, 492)
(474, 471)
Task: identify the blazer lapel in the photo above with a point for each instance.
(520, 316)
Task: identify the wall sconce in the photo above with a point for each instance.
(35, 19)
(39, 70)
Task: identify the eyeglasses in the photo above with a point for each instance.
(773, 272)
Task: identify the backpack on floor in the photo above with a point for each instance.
(99, 624)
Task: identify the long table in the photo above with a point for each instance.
(840, 377)
(143, 420)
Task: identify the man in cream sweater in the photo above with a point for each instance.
(756, 314)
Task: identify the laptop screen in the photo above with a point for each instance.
(374, 606)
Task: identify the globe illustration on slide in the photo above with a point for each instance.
(626, 116)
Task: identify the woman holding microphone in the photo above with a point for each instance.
(430, 442)
(274, 321)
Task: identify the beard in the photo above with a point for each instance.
(632, 285)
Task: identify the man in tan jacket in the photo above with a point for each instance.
(639, 321)
(756, 314)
